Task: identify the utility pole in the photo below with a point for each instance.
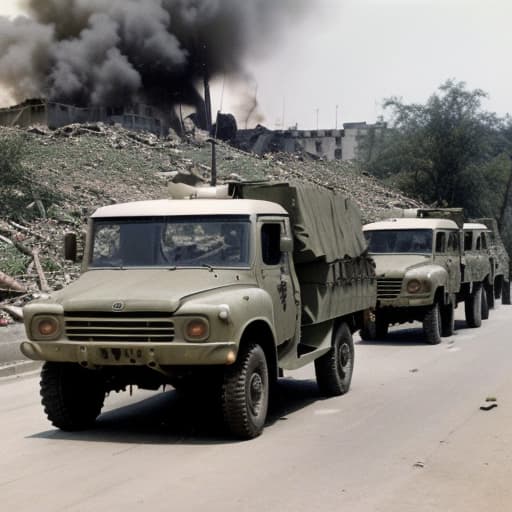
(282, 118)
(317, 110)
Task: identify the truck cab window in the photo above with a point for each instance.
(270, 244)
(453, 242)
(484, 241)
(468, 241)
(440, 242)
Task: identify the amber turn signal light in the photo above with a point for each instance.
(47, 326)
(196, 329)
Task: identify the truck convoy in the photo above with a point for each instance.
(212, 294)
(427, 262)
(500, 264)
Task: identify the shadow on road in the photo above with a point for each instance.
(399, 337)
(172, 417)
(409, 336)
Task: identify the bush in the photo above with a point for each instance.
(19, 186)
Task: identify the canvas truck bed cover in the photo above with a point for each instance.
(327, 226)
(336, 275)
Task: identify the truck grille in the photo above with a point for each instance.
(388, 288)
(132, 326)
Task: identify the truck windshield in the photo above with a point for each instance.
(414, 241)
(191, 241)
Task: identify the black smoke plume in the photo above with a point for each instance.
(114, 52)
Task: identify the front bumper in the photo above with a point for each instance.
(153, 355)
(404, 302)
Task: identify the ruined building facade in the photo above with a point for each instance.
(326, 144)
(54, 115)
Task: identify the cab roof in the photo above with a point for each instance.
(173, 207)
(475, 226)
(410, 223)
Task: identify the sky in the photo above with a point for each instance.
(345, 57)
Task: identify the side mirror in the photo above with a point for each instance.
(70, 247)
(286, 244)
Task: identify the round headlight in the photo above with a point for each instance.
(196, 329)
(47, 326)
(413, 286)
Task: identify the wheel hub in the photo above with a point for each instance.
(255, 393)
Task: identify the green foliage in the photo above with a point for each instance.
(14, 178)
(448, 152)
(18, 187)
(12, 262)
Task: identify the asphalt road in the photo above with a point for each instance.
(10, 338)
(409, 436)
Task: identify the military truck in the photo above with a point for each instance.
(217, 295)
(500, 264)
(476, 272)
(423, 271)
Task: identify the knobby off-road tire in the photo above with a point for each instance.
(447, 319)
(245, 393)
(369, 331)
(376, 330)
(334, 369)
(490, 297)
(473, 307)
(71, 395)
(432, 325)
(505, 292)
(485, 305)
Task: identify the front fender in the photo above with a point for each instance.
(231, 310)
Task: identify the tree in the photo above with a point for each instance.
(448, 152)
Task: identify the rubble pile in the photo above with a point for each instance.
(92, 165)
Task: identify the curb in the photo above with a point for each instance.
(18, 368)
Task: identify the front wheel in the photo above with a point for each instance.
(71, 395)
(473, 307)
(334, 369)
(245, 393)
(432, 325)
(447, 319)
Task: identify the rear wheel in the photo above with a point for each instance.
(381, 327)
(71, 395)
(334, 369)
(432, 325)
(505, 292)
(447, 319)
(473, 307)
(245, 393)
(375, 329)
(485, 305)
(490, 296)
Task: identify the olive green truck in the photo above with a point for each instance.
(216, 294)
(427, 262)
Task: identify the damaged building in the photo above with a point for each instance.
(326, 144)
(52, 114)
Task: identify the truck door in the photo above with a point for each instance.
(447, 254)
(275, 277)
